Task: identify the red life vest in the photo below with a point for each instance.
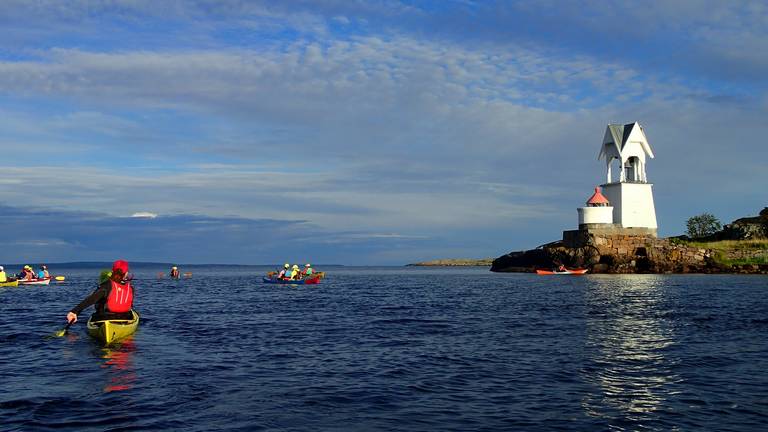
(120, 297)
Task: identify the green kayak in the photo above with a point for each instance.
(109, 331)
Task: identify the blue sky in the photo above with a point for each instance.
(354, 132)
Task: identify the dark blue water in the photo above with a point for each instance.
(399, 349)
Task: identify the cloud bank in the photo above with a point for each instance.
(461, 128)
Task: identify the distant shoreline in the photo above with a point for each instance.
(455, 262)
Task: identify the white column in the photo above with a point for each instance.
(622, 177)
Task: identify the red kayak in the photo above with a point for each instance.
(578, 271)
(308, 281)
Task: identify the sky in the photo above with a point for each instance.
(363, 132)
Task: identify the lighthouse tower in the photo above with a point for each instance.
(625, 149)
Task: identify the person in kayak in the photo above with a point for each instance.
(3, 276)
(113, 299)
(43, 273)
(26, 273)
(174, 272)
(284, 271)
(561, 268)
(307, 270)
(295, 273)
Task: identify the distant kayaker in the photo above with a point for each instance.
(113, 298)
(295, 273)
(307, 270)
(27, 273)
(561, 268)
(174, 272)
(43, 273)
(283, 273)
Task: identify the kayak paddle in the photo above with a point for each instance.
(59, 278)
(61, 332)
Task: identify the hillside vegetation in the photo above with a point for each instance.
(735, 252)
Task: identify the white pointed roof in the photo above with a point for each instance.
(618, 136)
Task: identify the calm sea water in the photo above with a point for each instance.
(394, 349)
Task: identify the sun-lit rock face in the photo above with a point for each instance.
(748, 228)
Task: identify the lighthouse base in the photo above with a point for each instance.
(581, 237)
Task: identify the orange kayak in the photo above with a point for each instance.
(578, 271)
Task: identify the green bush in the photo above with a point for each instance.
(702, 226)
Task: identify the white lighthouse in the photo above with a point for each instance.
(625, 149)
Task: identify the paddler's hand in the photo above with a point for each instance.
(71, 317)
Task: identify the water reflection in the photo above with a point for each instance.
(628, 338)
(120, 371)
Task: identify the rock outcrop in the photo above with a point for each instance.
(627, 251)
(747, 228)
(613, 254)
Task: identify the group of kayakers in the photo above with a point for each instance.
(26, 273)
(113, 298)
(289, 272)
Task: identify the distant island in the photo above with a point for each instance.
(456, 262)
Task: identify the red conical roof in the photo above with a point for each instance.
(597, 198)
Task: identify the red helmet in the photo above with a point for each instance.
(120, 266)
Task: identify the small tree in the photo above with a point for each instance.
(702, 225)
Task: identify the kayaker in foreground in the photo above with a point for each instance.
(174, 272)
(113, 298)
(307, 270)
(3, 276)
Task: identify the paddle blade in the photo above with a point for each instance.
(59, 278)
(59, 333)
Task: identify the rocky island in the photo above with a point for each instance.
(617, 228)
(740, 247)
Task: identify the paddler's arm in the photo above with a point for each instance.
(94, 297)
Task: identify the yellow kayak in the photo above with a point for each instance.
(9, 283)
(109, 331)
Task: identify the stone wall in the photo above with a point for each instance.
(633, 254)
(577, 238)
